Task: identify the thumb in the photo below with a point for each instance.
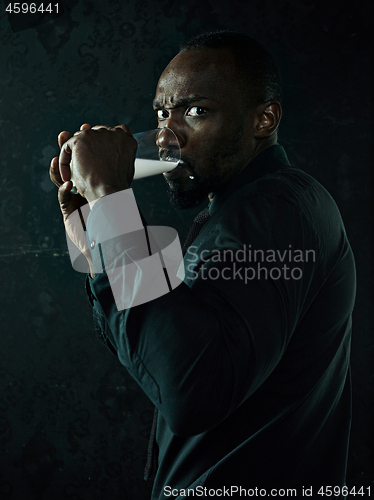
(65, 199)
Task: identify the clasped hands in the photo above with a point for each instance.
(102, 161)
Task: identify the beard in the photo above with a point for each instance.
(183, 196)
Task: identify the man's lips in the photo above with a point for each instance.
(181, 165)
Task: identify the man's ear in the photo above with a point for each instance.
(269, 115)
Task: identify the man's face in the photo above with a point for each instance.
(200, 98)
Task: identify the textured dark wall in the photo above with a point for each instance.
(73, 424)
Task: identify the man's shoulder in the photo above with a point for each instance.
(283, 197)
(289, 185)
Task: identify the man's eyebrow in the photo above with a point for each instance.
(181, 101)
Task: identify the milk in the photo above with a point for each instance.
(144, 168)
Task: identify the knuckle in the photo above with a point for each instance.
(82, 135)
(126, 129)
(101, 127)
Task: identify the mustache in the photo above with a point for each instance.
(169, 154)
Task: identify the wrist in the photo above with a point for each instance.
(93, 195)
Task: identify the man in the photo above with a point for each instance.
(247, 360)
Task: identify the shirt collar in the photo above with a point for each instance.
(268, 160)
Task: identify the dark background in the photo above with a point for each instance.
(73, 424)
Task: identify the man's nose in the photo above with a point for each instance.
(168, 141)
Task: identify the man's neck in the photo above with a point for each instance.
(260, 146)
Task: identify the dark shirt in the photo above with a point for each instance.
(247, 361)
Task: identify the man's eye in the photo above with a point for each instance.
(196, 111)
(162, 114)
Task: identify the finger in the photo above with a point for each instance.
(54, 172)
(85, 126)
(63, 137)
(64, 162)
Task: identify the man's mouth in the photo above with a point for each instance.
(180, 166)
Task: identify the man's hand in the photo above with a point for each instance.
(101, 158)
(68, 202)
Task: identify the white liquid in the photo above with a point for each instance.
(144, 168)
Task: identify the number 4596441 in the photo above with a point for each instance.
(329, 491)
(32, 8)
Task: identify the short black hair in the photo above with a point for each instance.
(256, 66)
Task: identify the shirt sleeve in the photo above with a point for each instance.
(201, 350)
(140, 262)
